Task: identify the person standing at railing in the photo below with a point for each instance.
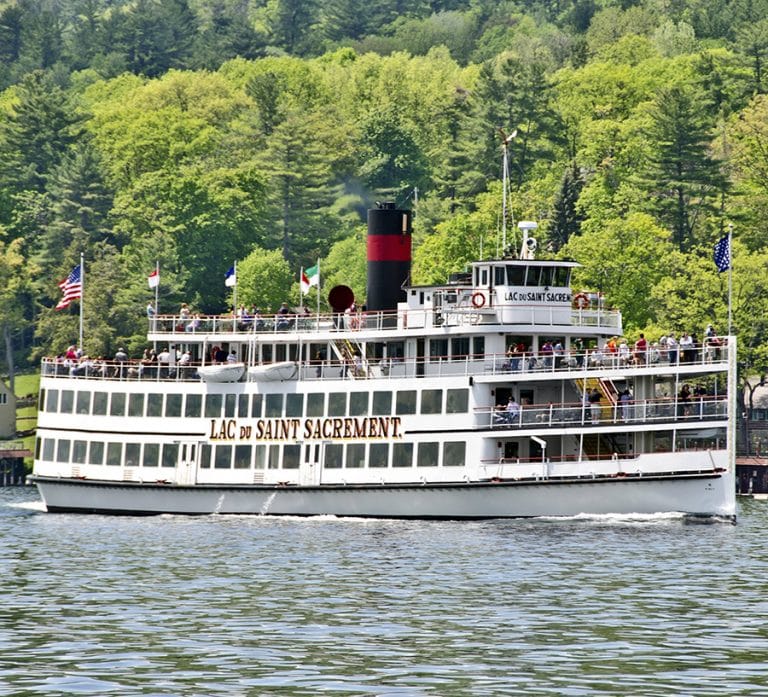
(625, 400)
(641, 350)
(672, 348)
(513, 410)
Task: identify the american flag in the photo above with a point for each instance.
(72, 287)
(723, 254)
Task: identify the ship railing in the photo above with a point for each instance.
(410, 318)
(563, 415)
(569, 466)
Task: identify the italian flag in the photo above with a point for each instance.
(310, 277)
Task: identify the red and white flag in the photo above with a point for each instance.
(154, 279)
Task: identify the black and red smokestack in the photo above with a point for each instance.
(389, 256)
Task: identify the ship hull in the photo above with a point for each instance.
(700, 495)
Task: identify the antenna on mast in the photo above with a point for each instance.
(505, 140)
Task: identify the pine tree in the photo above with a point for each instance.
(566, 219)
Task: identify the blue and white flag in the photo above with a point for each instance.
(723, 254)
(230, 278)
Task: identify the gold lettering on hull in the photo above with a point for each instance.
(291, 429)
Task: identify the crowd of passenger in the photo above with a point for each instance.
(617, 351)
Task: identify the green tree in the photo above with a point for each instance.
(566, 216)
(15, 298)
(264, 280)
(683, 179)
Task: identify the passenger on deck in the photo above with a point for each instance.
(283, 317)
(513, 410)
(594, 405)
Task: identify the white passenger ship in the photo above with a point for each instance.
(395, 412)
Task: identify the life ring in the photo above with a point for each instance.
(478, 300)
(581, 301)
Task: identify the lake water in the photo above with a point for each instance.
(93, 605)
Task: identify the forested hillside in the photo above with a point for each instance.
(196, 133)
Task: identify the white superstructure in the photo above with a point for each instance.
(400, 413)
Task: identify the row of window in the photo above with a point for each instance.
(275, 456)
(377, 403)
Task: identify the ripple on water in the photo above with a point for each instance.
(232, 606)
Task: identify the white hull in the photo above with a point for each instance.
(695, 495)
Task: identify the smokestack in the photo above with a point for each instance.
(389, 256)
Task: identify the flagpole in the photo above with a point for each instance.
(318, 292)
(82, 298)
(157, 289)
(730, 274)
(301, 286)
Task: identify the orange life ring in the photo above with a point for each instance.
(581, 301)
(478, 300)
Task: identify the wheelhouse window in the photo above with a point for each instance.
(515, 275)
(499, 275)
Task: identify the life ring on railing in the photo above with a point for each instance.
(581, 301)
(478, 300)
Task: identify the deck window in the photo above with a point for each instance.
(259, 456)
(230, 402)
(173, 405)
(242, 406)
(41, 400)
(193, 406)
(170, 455)
(52, 401)
(114, 454)
(315, 404)
(337, 404)
(155, 404)
(132, 453)
(223, 459)
(561, 279)
(406, 402)
(294, 404)
(96, 453)
(206, 450)
(428, 454)
(100, 400)
(291, 456)
(67, 401)
(274, 405)
(256, 404)
(136, 405)
(242, 457)
(48, 445)
(213, 403)
(117, 404)
(83, 404)
(438, 349)
(62, 450)
(379, 455)
(79, 450)
(274, 457)
(334, 454)
(499, 275)
(402, 455)
(454, 454)
(382, 403)
(478, 346)
(151, 455)
(459, 348)
(358, 403)
(457, 401)
(355, 455)
(431, 401)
